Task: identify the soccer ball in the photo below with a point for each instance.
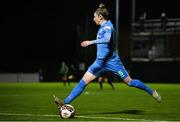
(67, 111)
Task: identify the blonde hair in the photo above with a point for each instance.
(102, 10)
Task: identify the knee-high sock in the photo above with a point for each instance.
(77, 90)
(138, 84)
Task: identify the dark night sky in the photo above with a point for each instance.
(37, 33)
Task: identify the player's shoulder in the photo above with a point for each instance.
(108, 26)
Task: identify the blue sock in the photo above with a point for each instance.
(138, 84)
(78, 89)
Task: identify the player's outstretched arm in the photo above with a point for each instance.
(86, 43)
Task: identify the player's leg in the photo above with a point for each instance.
(64, 80)
(93, 71)
(140, 85)
(110, 83)
(109, 80)
(79, 88)
(68, 80)
(118, 69)
(100, 80)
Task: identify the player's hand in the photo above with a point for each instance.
(86, 43)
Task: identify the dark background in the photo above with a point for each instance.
(40, 34)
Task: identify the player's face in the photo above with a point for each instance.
(96, 19)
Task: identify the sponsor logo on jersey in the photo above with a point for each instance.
(121, 73)
(107, 27)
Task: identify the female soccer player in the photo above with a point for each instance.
(106, 60)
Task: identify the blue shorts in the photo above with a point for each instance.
(113, 65)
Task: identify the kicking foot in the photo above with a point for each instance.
(58, 102)
(156, 96)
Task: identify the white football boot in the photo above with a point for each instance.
(156, 96)
(58, 101)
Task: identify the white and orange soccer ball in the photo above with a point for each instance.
(67, 111)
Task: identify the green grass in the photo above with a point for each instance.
(34, 102)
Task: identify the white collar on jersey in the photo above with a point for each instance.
(102, 22)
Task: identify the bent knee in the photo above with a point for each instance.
(88, 77)
(127, 80)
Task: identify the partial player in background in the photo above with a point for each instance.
(107, 59)
(105, 78)
(63, 72)
(72, 74)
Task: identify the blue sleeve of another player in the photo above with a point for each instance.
(105, 39)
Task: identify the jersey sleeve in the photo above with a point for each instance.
(106, 36)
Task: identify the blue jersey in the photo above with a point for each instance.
(105, 40)
(107, 59)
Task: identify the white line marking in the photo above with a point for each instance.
(110, 118)
(86, 117)
(18, 114)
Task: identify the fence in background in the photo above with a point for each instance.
(19, 77)
(156, 40)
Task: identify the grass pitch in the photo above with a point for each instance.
(34, 102)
